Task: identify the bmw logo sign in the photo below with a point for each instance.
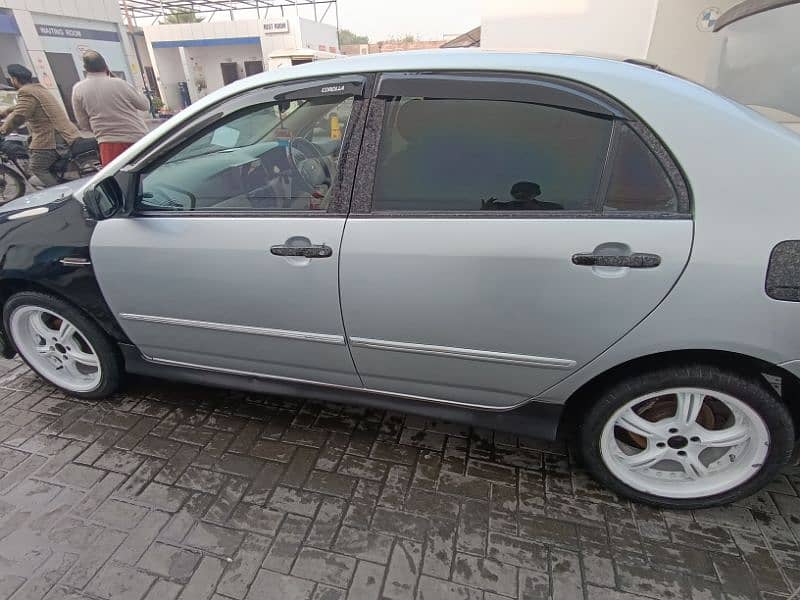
(707, 19)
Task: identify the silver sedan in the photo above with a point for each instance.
(550, 245)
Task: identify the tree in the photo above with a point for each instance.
(402, 39)
(348, 37)
(181, 16)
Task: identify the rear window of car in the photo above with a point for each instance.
(638, 181)
(487, 155)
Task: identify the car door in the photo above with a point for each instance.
(229, 260)
(507, 231)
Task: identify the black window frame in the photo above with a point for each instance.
(358, 85)
(517, 87)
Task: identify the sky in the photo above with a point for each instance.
(425, 19)
(385, 19)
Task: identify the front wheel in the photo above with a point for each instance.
(12, 185)
(62, 345)
(687, 437)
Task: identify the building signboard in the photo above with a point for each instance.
(276, 26)
(77, 33)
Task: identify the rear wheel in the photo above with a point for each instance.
(62, 345)
(12, 185)
(687, 437)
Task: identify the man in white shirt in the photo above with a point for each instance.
(108, 107)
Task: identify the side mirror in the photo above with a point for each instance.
(100, 202)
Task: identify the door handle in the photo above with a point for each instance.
(637, 260)
(311, 251)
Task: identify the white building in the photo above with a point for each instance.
(748, 50)
(756, 58)
(50, 36)
(206, 56)
(676, 34)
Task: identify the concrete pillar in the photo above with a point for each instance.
(151, 53)
(188, 73)
(33, 44)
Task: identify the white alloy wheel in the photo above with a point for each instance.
(684, 443)
(55, 348)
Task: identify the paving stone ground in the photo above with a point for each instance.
(182, 492)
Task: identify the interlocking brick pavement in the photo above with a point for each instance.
(177, 492)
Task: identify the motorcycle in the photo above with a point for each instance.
(82, 158)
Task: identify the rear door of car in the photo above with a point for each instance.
(504, 231)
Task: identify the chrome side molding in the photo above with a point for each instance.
(305, 336)
(465, 353)
(75, 261)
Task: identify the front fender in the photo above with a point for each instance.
(45, 247)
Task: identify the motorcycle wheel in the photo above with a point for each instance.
(12, 185)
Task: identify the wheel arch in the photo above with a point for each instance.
(11, 286)
(788, 391)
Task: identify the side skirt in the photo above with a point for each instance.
(535, 419)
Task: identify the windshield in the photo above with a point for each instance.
(757, 63)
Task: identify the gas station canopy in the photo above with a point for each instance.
(154, 9)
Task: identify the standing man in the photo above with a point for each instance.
(47, 121)
(108, 107)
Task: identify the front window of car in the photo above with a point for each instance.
(279, 155)
(272, 121)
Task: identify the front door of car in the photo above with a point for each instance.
(507, 231)
(229, 260)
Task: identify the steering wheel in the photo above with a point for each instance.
(308, 162)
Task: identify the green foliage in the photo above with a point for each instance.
(181, 16)
(402, 39)
(348, 37)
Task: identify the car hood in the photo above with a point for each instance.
(40, 199)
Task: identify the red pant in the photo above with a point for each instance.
(111, 150)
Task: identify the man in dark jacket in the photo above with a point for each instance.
(47, 122)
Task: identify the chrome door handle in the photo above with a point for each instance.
(637, 260)
(312, 251)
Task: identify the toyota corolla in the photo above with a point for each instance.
(550, 245)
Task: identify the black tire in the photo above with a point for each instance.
(105, 349)
(751, 389)
(12, 185)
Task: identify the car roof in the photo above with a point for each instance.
(595, 71)
(603, 73)
(457, 59)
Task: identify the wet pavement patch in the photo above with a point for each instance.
(178, 491)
